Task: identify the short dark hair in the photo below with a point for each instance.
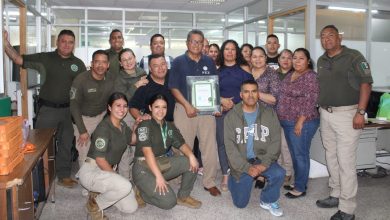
(249, 82)
(307, 54)
(66, 32)
(272, 35)
(103, 52)
(114, 31)
(155, 36)
(195, 31)
(113, 97)
(331, 26)
(157, 97)
(155, 56)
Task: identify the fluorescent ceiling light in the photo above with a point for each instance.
(346, 9)
(207, 2)
(233, 20)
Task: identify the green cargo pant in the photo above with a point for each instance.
(145, 181)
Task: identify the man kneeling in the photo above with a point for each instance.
(252, 140)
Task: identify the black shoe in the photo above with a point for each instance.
(340, 215)
(259, 184)
(288, 187)
(292, 196)
(330, 202)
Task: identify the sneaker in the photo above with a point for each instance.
(67, 182)
(330, 202)
(189, 202)
(340, 215)
(140, 201)
(273, 208)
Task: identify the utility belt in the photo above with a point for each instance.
(332, 109)
(43, 102)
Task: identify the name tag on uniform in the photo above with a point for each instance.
(92, 90)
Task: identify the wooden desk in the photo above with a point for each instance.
(18, 184)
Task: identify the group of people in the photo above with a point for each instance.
(271, 106)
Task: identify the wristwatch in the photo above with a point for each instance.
(361, 111)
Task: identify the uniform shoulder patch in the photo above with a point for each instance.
(365, 67)
(100, 144)
(143, 133)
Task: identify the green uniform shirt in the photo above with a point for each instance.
(109, 142)
(149, 134)
(114, 62)
(340, 77)
(282, 75)
(125, 83)
(57, 72)
(89, 97)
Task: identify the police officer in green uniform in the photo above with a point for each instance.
(152, 168)
(109, 141)
(59, 68)
(88, 100)
(116, 45)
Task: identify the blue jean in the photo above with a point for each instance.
(299, 147)
(241, 189)
(223, 161)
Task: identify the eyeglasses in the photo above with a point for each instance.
(195, 42)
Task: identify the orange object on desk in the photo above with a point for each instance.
(29, 147)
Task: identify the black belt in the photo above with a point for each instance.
(52, 104)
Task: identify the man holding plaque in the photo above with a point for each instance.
(188, 119)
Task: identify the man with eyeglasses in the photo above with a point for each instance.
(187, 120)
(116, 45)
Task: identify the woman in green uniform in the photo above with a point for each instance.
(109, 141)
(153, 168)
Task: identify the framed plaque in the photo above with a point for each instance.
(203, 93)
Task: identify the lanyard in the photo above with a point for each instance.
(164, 134)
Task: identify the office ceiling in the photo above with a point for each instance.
(184, 5)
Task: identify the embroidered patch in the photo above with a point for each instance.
(238, 130)
(72, 93)
(92, 90)
(170, 133)
(100, 144)
(365, 67)
(142, 133)
(74, 67)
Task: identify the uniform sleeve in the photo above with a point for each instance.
(34, 61)
(143, 134)
(100, 142)
(128, 134)
(120, 85)
(76, 100)
(362, 69)
(273, 148)
(177, 138)
(236, 160)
